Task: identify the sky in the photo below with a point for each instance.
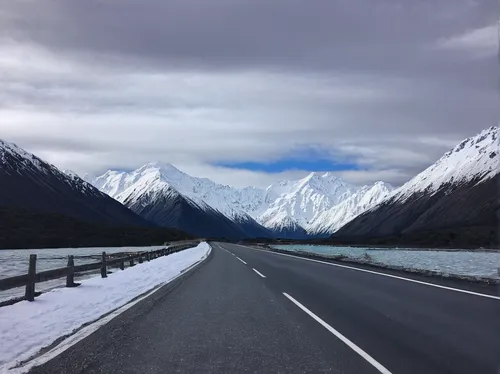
(248, 92)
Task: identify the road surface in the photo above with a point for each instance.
(251, 311)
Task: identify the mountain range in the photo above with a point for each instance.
(41, 206)
(290, 209)
(458, 192)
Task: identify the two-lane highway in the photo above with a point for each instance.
(246, 310)
(408, 326)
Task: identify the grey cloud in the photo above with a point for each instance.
(348, 34)
(97, 84)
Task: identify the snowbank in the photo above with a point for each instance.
(26, 328)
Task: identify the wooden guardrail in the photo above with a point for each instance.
(29, 280)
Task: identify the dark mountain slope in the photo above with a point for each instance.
(28, 182)
(460, 191)
(166, 207)
(21, 228)
(467, 205)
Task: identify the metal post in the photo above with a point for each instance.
(140, 259)
(70, 277)
(30, 286)
(122, 264)
(132, 261)
(104, 271)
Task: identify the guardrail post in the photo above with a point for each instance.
(70, 278)
(140, 259)
(104, 271)
(131, 261)
(122, 264)
(30, 286)
(148, 256)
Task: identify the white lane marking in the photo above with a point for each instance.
(81, 334)
(225, 250)
(382, 274)
(262, 275)
(241, 260)
(349, 343)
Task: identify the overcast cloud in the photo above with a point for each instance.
(388, 85)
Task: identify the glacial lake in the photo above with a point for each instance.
(484, 264)
(15, 262)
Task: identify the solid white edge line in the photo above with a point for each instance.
(346, 341)
(382, 274)
(241, 260)
(262, 275)
(94, 326)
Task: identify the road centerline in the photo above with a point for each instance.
(258, 272)
(345, 340)
(241, 260)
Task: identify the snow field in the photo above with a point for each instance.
(26, 328)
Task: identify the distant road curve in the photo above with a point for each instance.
(246, 310)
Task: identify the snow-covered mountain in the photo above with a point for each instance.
(229, 201)
(157, 190)
(304, 199)
(475, 159)
(460, 190)
(365, 198)
(288, 209)
(27, 182)
(318, 204)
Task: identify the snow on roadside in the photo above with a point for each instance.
(26, 328)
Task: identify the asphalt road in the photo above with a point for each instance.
(249, 311)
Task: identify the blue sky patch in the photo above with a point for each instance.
(291, 164)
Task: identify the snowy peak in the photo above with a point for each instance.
(305, 199)
(357, 203)
(160, 177)
(474, 159)
(166, 171)
(12, 155)
(23, 163)
(288, 206)
(322, 183)
(30, 183)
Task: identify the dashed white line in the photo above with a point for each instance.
(241, 260)
(258, 272)
(382, 274)
(346, 341)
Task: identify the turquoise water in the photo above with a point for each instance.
(459, 262)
